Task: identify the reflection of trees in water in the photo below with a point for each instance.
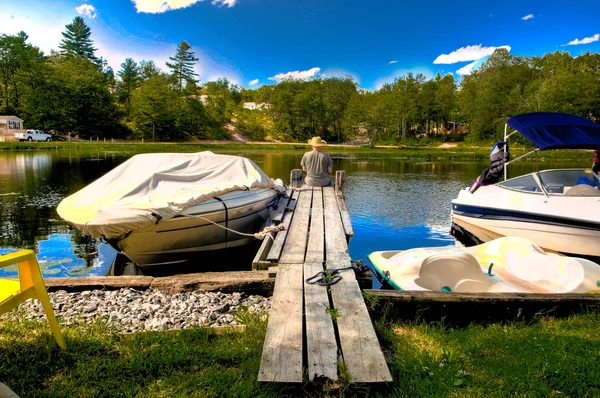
(85, 247)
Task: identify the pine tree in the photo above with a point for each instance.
(76, 40)
(130, 80)
(183, 64)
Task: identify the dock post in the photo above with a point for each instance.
(340, 181)
(296, 178)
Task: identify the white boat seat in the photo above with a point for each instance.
(450, 270)
(583, 190)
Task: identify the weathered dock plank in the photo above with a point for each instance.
(321, 345)
(336, 247)
(280, 238)
(315, 252)
(362, 353)
(340, 182)
(259, 262)
(360, 348)
(252, 282)
(99, 282)
(282, 352)
(294, 248)
(423, 296)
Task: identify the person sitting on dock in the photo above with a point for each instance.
(317, 164)
(498, 157)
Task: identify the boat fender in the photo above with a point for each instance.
(489, 273)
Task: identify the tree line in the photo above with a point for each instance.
(74, 91)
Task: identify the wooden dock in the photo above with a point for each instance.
(325, 330)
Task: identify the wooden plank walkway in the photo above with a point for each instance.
(326, 328)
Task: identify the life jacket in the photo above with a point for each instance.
(498, 157)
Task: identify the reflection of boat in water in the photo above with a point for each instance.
(558, 210)
(159, 209)
(503, 265)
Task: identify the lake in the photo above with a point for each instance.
(394, 203)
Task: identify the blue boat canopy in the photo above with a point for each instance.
(552, 130)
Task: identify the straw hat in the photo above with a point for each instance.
(316, 141)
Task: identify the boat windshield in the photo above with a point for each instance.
(523, 183)
(557, 182)
(561, 181)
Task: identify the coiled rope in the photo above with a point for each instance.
(331, 276)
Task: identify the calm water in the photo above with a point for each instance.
(394, 204)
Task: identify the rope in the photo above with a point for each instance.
(258, 235)
(331, 276)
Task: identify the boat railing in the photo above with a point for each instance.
(506, 136)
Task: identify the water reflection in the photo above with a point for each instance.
(394, 203)
(60, 256)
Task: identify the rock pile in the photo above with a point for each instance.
(131, 310)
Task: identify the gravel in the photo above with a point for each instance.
(130, 310)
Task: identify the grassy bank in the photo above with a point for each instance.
(542, 357)
(460, 152)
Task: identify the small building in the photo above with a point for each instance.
(9, 125)
(254, 105)
(11, 122)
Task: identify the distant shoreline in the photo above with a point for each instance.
(441, 152)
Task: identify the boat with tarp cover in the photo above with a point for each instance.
(159, 209)
(559, 209)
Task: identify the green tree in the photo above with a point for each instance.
(183, 64)
(130, 80)
(445, 99)
(367, 112)
(19, 62)
(336, 94)
(77, 42)
(222, 99)
(148, 69)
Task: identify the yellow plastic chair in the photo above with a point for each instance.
(30, 285)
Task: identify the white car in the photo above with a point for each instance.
(33, 135)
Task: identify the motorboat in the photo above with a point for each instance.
(160, 209)
(507, 264)
(559, 209)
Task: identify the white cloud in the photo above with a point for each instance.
(160, 6)
(392, 62)
(220, 3)
(465, 70)
(468, 53)
(527, 17)
(586, 40)
(305, 74)
(253, 82)
(87, 10)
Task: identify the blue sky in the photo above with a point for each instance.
(256, 42)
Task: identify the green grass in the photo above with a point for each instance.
(539, 358)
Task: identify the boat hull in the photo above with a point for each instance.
(201, 228)
(551, 224)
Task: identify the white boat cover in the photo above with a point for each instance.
(150, 187)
